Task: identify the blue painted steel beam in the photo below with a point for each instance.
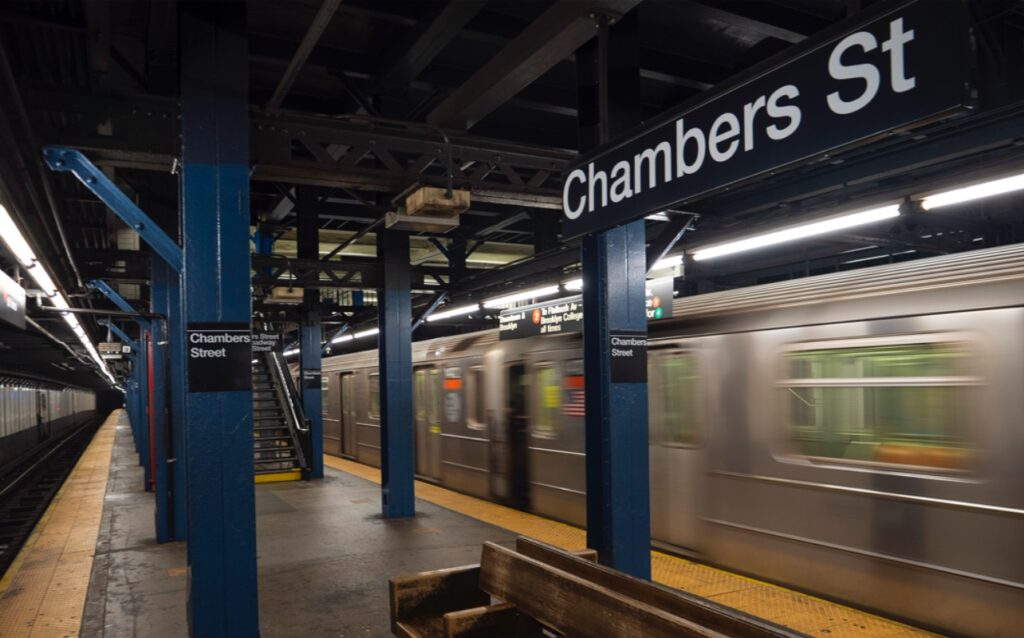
(394, 317)
(310, 330)
(216, 292)
(614, 273)
(163, 278)
(63, 158)
(121, 334)
(178, 455)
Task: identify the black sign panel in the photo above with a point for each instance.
(628, 355)
(12, 301)
(552, 317)
(658, 298)
(265, 342)
(311, 379)
(902, 67)
(219, 357)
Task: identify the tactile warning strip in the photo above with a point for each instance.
(43, 593)
(807, 614)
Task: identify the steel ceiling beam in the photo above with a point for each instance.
(441, 31)
(549, 39)
(316, 29)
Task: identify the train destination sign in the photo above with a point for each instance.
(219, 357)
(566, 314)
(902, 67)
(12, 301)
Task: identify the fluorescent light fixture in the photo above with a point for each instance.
(497, 302)
(454, 312)
(658, 217)
(978, 191)
(802, 231)
(291, 353)
(341, 338)
(366, 333)
(15, 241)
(667, 262)
(573, 284)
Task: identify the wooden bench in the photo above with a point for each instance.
(540, 587)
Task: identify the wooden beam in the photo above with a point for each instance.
(549, 39)
(316, 29)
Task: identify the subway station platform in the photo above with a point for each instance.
(325, 555)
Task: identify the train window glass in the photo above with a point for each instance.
(475, 412)
(324, 396)
(547, 401)
(419, 395)
(434, 395)
(673, 398)
(898, 403)
(374, 396)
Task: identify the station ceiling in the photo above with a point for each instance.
(351, 97)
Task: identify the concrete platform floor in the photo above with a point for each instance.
(325, 556)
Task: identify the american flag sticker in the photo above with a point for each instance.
(573, 406)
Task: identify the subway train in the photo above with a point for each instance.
(856, 435)
(33, 412)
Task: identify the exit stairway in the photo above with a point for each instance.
(276, 419)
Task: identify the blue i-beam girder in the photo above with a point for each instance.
(163, 278)
(310, 330)
(216, 291)
(394, 316)
(63, 158)
(618, 502)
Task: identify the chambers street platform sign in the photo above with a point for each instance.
(901, 66)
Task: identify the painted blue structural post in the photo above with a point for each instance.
(162, 280)
(394, 310)
(222, 596)
(615, 322)
(178, 460)
(308, 248)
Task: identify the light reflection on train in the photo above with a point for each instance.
(33, 412)
(857, 435)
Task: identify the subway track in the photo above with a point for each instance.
(28, 485)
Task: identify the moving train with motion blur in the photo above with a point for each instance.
(857, 435)
(33, 413)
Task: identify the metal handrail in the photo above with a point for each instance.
(284, 380)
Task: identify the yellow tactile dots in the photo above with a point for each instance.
(43, 593)
(797, 611)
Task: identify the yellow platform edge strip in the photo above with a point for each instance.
(801, 612)
(279, 477)
(43, 592)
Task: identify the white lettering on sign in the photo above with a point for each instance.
(208, 353)
(854, 62)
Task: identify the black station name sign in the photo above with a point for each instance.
(265, 342)
(12, 301)
(219, 357)
(628, 355)
(902, 67)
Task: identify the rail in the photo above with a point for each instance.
(287, 392)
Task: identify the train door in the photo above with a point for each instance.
(518, 424)
(331, 414)
(347, 415)
(676, 453)
(427, 419)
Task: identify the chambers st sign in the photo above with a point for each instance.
(902, 67)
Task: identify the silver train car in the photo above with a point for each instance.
(855, 435)
(32, 413)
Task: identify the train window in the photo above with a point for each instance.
(419, 395)
(434, 392)
(673, 398)
(374, 396)
(896, 403)
(475, 399)
(547, 401)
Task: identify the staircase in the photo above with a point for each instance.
(276, 419)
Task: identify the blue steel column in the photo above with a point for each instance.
(159, 290)
(308, 247)
(614, 273)
(215, 224)
(176, 363)
(394, 311)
